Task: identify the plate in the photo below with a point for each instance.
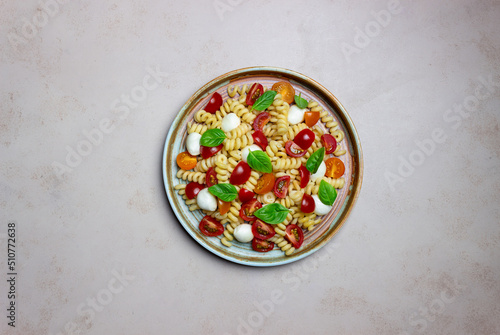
(242, 253)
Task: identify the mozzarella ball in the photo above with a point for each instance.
(320, 173)
(296, 114)
(206, 200)
(230, 121)
(246, 151)
(243, 232)
(320, 208)
(193, 144)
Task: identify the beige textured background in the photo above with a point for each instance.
(99, 250)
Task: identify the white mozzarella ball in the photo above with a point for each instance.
(246, 151)
(320, 208)
(320, 173)
(206, 200)
(296, 114)
(243, 233)
(230, 121)
(193, 144)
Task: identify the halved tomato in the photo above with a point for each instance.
(193, 188)
(248, 208)
(211, 177)
(304, 138)
(334, 168)
(292, 149)
(211, 227)
(311, 118)
(245, 195)
(223, 206)
(304, 176)
(329, 142)
(265, 183)
(262, 230)
(255, 92)
(240, 174)
(207, 152)
(308, 205)
(285, 89)
(294, 235)
(281, 186)
(261, 120)
(186, 161)
(260, 139)
(214, 103)
(262, 245)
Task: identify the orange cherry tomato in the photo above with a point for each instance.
(223, 206)
(285, 89)
(265, 184)
(186, 161)
(334, 168)
(311, 118)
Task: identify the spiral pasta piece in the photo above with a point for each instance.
(205, 164)
(209, 119)
(240, 89)
(286, 164)
(238, 131)
(198, 177)
(243, 112)
(238, 143)
(221, 168)
(196, 127)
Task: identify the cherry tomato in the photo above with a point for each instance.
(334, 168)
(311, 118)
(261, 120)
(240, 174)
(262, 245)
(285, 89)
(245, 195)
(281, 186)
(211, 227)
(211, 177)
(214, 103)
(223, 206)
(207, 152)
(255, 92)
(304, 138)
(292, 149)
(260, 139)
(294, 235)
(329, 142)
(248, 208)
(308, 205)
(192, 189)
(262, 230)
(304, 176)
(186, 161)
(265, 183)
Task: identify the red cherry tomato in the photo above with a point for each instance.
(207, 152)
(261, 120)
(211, 177)
(214, 103)
(262, 230)
(255, 92)
(192, 189)
(260, 139)
(308, 205)
(265, 183)
(223, 206)
(292, 149)
(311, 118)
(262, 245)
(245, 195)
(334, 168)
(211, 227)
(248, 208)
(294, 235)
(329, 142)
(240, 174)
(281, 186)
(304, 138)
(304, 176)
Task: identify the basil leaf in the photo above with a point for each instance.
(327, 193)
(264, 101)
(272, 213)
(212, 138)
(225, 192)
(300, 102)
(315, 160)
(259, 161)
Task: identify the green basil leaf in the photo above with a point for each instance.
(259, 161)
(212, 138)
(300, 102)
(327, 193)
(315, 160)
(264, 101)
(225, 192)
(272, 213)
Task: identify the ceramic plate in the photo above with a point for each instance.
(242, 252)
